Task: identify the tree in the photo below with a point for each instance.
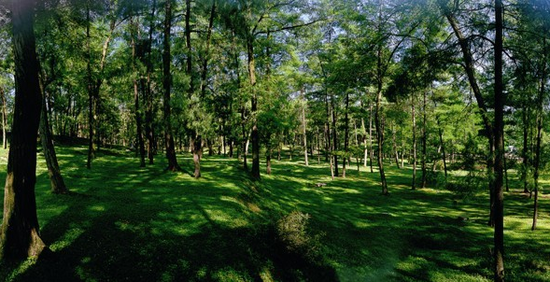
(499, 148)
(20, 236)
(167, 86)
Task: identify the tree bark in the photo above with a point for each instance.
(19, 234)
(304, 126)
(414, 143)
(56, 180)
(424, 141)
(255, 172)
(4, 118)
(167, 84)
(499, 148)
(137, 108)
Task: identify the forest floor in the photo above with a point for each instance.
(126, 223)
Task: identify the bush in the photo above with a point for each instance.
(467, 186)
(292, 231)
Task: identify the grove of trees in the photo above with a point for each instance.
(430, 85)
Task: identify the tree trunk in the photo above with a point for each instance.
(137, 109)
(346, 136)
(525, 149)
(167, 84)
(414, 143)
(255, 172)
(424, 141)
(197, 148)
(4, 118)
(56, 180)
(470, 71)
(499, 148)
(19, 234)
(304, 126)
(394, 146)
(149, 129)
(334, 138)
(380, 137)
(371, 154)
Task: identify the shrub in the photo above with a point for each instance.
(292, 232)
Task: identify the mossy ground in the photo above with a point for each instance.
(126, 223)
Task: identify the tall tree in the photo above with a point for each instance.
(499, 149)
(20, 236)
(167, 87)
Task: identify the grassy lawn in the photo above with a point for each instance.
(125, 223)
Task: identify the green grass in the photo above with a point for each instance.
(125, 223)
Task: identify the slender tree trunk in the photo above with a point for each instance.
(499, 146)
(167, 84)
(444, 155)
(56, 180)
(394, 145)
(366, 151)
(414, 142)
(304, 126)
(4, 118)
(334, 138)
(149, 130)
(255, 136)
(371, 154)
(137, 108)
(380, 136)
(346, 137)
(424, 141)
(525, 150)
(19, 233)
(91, 91)
(197, 148)
(470, 71)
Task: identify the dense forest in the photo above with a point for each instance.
(455, 92)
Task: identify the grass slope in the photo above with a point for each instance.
(125, 223)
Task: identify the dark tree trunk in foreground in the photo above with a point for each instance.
(20, 237)
(498, 212)
(167, 84)
(197, 154)
(56, 180)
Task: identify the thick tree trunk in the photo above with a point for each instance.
(499, 148)
(167, 84)
(19, 234)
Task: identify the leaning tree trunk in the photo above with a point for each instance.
(19, 234)
(380, 136)
(167, 84)
(56, 180)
